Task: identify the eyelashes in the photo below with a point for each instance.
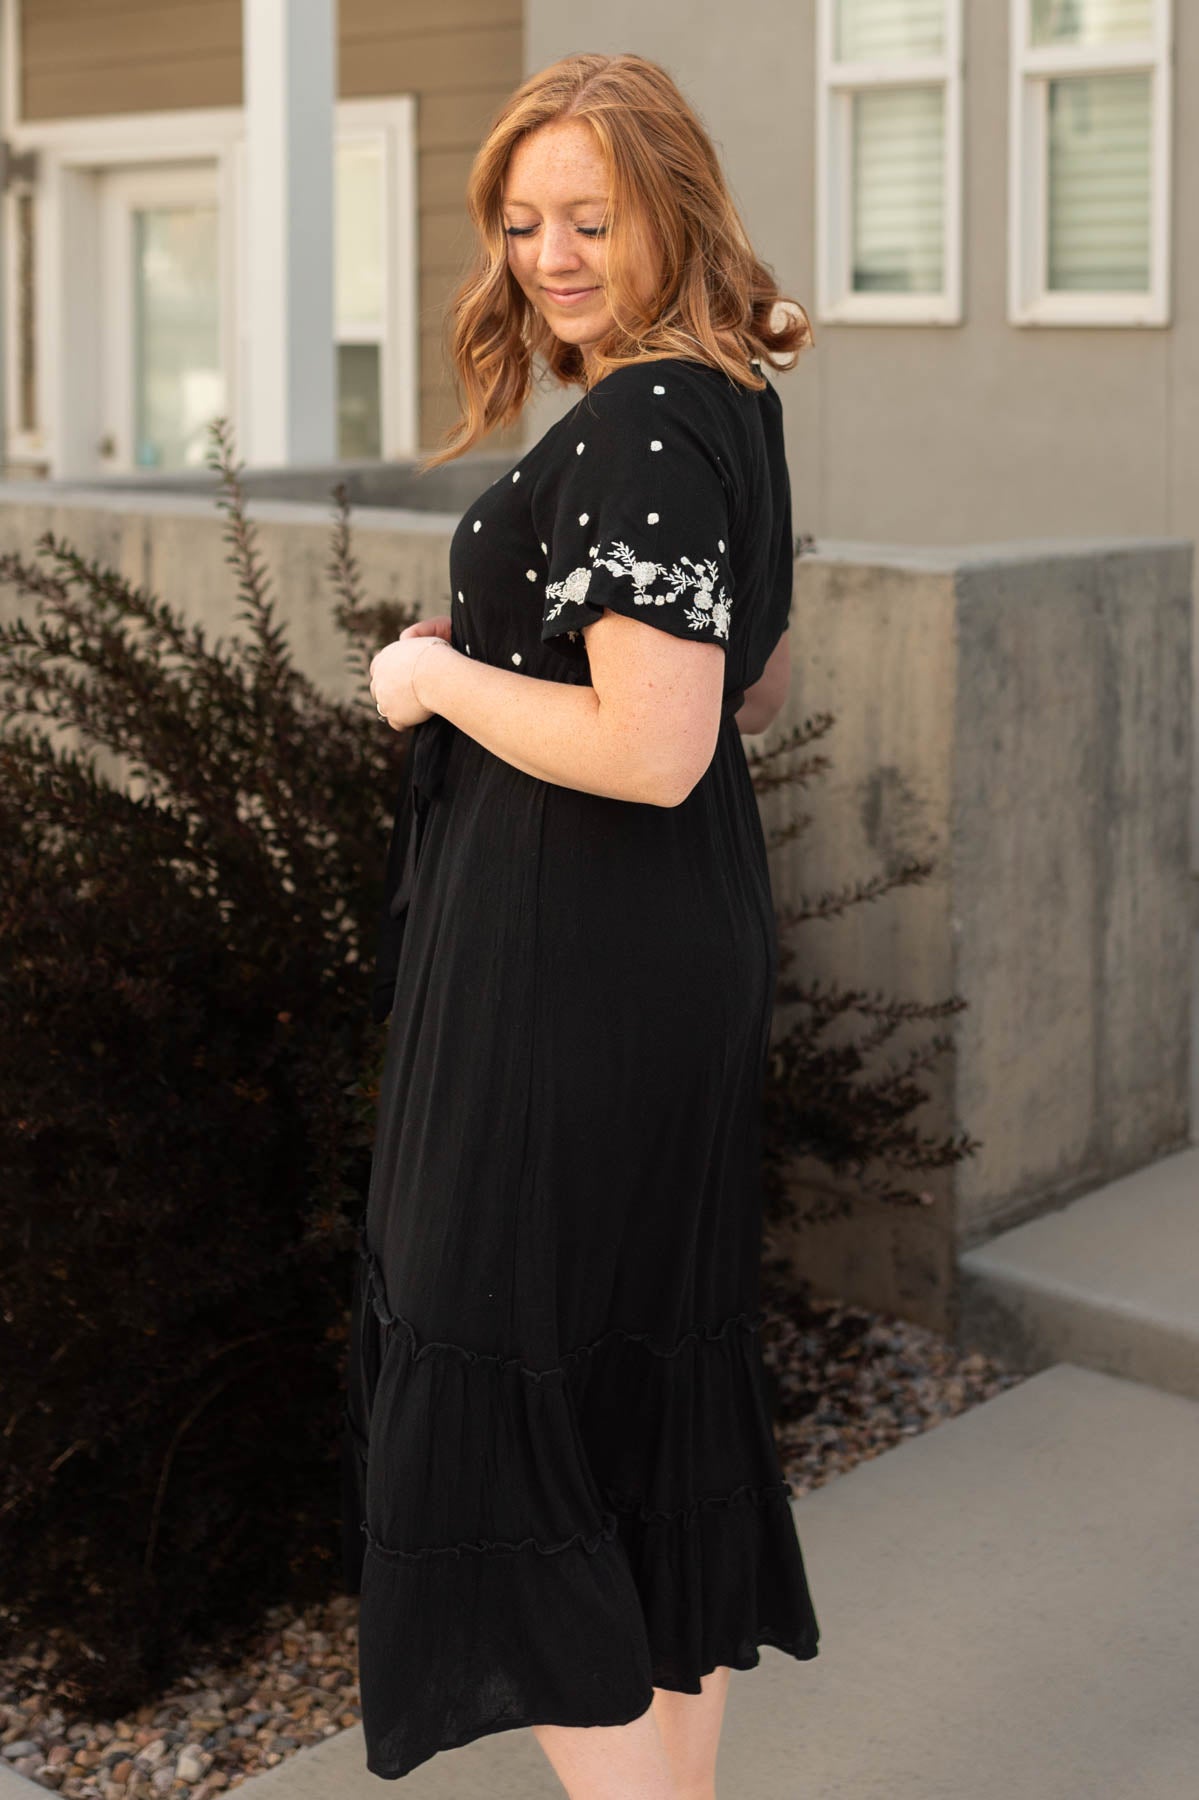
(590, 231)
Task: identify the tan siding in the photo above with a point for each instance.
(80, 57)
(458, 121)
(432, 62)
(442, 177)
(212, 80)
(111, 38)
(378, 19)
(460, 58)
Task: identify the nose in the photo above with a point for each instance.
(559, 249)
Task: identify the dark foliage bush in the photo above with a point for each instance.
(188, 1070)
(185, 1056)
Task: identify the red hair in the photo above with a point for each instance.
(714, 297)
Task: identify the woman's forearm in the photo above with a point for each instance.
(553, 730)
(765, 699)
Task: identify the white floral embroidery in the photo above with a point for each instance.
(569, 591)
(698, 582)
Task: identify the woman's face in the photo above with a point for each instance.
(554, 195)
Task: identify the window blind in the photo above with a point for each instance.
(878, 30)
(1099, 182)
(1090, 21)
(898, 190)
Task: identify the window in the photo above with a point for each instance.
(359, 294)
(1089, 180)
(888, 201)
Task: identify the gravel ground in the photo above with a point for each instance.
(850, 1384)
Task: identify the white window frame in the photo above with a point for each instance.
(1030, 70)
(67, 228)
(836, 84)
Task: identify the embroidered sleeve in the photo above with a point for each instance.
(639, 518)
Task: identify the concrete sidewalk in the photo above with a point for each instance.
(1110, 1281)
(1009, 1607)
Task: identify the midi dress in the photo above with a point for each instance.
(561, 1482)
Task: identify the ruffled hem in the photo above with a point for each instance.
(376, 1294)
(541, 1545)
(590, 1544)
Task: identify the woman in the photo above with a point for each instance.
(571, 1505)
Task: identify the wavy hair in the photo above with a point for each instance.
(714, 294)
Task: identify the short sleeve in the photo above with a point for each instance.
(638, 518)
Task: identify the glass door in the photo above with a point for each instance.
(164, 375)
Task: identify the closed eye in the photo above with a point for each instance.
(591, 231)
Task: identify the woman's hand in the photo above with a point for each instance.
(392, 668)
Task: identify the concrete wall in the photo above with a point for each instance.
(935, 434)
(174, 545)
(1020, 716)
(460, 58)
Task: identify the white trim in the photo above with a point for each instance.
(1030, 69)
(10, 50)
(71, 150)
(836, 84)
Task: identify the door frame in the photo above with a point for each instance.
(120, 193)
(68, 256)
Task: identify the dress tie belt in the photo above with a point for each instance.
(422, 776)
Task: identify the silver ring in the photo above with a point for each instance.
(380, 711)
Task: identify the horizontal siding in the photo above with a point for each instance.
(460, 58)
(107, 40)
(211, 79)
(81, 57)
(426, 62)
(459, 121)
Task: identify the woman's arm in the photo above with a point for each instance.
(764, 700)
(645, 729)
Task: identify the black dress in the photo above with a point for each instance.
(561, 1478)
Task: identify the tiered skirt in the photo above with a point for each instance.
(547, 1545)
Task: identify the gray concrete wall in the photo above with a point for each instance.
(175, 546)
(935, 434)
(1020, 716)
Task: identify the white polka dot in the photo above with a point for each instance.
(720, 543)
(478, 525)
(531, 574)
(468, 649)
(583, 518)
(656, 444)
(578, 449)
(516, 656)
(544, 551)
(516, 474)
(659, 389)
(651, 518)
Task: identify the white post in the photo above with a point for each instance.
(290, 57)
